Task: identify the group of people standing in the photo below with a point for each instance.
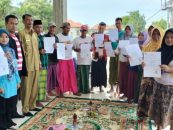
(39, 75)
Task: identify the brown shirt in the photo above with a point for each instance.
(30, 45)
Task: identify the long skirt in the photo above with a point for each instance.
(131, 84)
(42, 85)
(6, 111)
(52, 77)
(67, 77)
(138, 84)
(123, 77)
(113, 70)
(83, 78)
(161, 109)
(98, 73)
(145, 95)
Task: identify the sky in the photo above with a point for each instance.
(92, 12)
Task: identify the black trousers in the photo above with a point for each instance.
(6, 110)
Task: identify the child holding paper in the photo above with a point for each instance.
(8, 83)
(83, 61)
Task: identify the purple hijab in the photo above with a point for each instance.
(145, 37)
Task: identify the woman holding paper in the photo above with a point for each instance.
(151, 27)
(142, 37)
(8, 84)
(146, 88)
(161, 108)
(124, 74)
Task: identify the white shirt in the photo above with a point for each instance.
(167, 78)
(77, 44)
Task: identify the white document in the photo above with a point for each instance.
(152, 62)
(64, 51)
(48, 44)
(4, 69)
(122, 44)
(135, 54)
(68, 51)
(113, 35)
(61, 51)
(85, 50)
(109, 49)
(99, 39)
(133, 40)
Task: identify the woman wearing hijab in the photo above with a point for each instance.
(146, 89)
(149, 35)
(161, 110)
(142, 37)
(124, 65)
(8, 83)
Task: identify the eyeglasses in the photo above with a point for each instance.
(83, 30)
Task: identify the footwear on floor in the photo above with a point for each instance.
(17, 115)
(10, 124)
(77, 94)
(28, 114)
(36, 109)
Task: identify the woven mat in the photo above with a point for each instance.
(91, 115)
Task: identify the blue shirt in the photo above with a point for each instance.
(9, 86)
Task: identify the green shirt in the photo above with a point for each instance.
(120, 35)
(43, 57)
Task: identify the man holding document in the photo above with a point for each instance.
(98, 66)
(50, 41)
(83, 45)
(66, 74)
(114, 61)
(38, 28)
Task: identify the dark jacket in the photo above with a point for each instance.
(53, 57)
(12, 44)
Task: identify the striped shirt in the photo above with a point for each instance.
(19, 51)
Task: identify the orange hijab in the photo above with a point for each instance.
(154, 45)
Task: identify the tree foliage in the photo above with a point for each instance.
(161, 23)
(136, 19)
